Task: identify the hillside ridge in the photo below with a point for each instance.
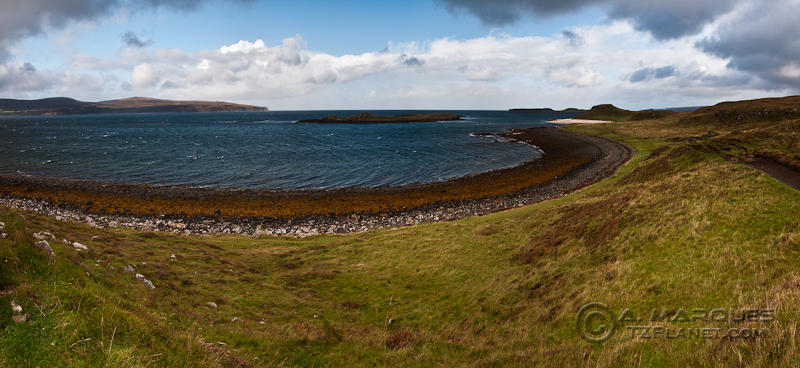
(68, 106)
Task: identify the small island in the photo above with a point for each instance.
(367, 118)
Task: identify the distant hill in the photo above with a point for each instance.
(52, 106)
(606, 112)
(651, 115)
(613, 113)
(547, 110)
(67, 106)
(684, 109)
(742, 112)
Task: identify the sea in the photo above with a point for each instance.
(263, 150)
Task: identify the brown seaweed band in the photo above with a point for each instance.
(565, 154)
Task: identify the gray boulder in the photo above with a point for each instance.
(44, 235)
(149, 284)
(18, 317)
(45, 248)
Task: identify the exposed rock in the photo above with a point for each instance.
(146, 282)
(44, 235)
(2, 226)
(45, 248)
(18, 317)
(710, 134)
(80, 246)
(149, 284)
(128, 269)
(211, 304)
(4, 235)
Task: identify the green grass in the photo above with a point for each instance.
(613, 113)
(607, 112)
(677, 227)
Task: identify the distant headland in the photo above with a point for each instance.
(69, 106)
(367, 118)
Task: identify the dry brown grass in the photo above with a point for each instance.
(741, 113)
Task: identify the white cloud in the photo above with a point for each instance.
(144, 76)
(494, 71)
(24, 77)
(791, 71)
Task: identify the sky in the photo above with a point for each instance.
(412, 54)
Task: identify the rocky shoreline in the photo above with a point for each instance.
(606, 156)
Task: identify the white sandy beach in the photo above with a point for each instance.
(579, 121)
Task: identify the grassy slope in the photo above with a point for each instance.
(681, 228)
(606, 112)
(734, 113)
(613, 113)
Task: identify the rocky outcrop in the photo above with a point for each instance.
(147, 283)
(44, 235)
(44, 247)
(17, 315)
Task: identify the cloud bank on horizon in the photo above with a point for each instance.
(647, 53)
(759, 37)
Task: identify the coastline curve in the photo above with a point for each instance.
(571, 161)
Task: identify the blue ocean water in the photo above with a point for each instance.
(260, 149)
